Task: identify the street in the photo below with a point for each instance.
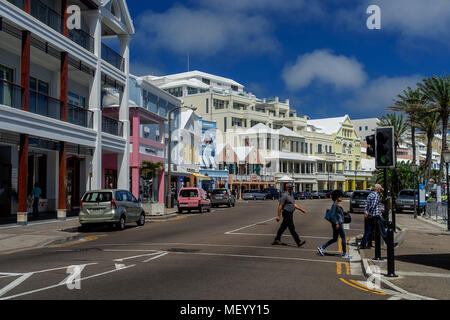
(225, 254)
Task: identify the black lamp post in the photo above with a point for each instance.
(447, 161)
(414, 170)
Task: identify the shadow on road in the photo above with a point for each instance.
(432, 260)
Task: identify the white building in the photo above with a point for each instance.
(52, 130)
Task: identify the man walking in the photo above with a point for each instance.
(36, 193)
(373, 215)
(287, 208)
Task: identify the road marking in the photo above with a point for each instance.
(272, 235)
(61, 284)
(158, 256)
(15, 283)
(252, 225)
(165, 220)
(339, 267)
(362, 288)
(249, 256)
(133, 257)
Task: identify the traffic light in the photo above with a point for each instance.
(384, 148)
(371, 145)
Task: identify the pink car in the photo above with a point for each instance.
(193, 199)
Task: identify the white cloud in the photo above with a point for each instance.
(205, 32)
(379, 94)
(324, 67)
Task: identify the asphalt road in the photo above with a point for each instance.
(222, 255)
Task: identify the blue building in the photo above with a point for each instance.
(208, 160)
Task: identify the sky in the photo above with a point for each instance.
(318, 54)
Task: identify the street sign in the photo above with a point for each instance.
(422, 200)
(181, 179)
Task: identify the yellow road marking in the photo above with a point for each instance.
(339, 268)
(340, 245)
(84, 239)
(361, 287)
(165, 220)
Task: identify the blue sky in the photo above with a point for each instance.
(319, 54)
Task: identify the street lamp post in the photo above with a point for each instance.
(414, 170)
(169, 156)
(447, 161)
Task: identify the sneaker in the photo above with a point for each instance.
(276, 242)
(301, 243)
(320, 251)
(346, 256)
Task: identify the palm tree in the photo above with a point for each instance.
(437, 91)
(400, 128)
(427, 120)
(408, 103)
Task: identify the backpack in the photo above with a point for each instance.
(330, 213)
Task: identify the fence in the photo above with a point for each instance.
(436, 211)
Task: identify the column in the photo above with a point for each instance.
(124, 116)
(62, 182)
(64, 15)
(95, 97)
(134, 157)
(22, 214)
(364, 184)
(161, 187)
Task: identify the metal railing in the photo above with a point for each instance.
(112, 57)
(79, 116)
(47, 16)
(82, 38)
(436, 211)
(45, 105)
(11, 94)
(18, 3)
(112, 126)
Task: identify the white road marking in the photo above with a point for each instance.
(255, 224)
(249, 256)
(62, 284)
(273, 235)
(142, 255)
(14, 284)
(158, 256)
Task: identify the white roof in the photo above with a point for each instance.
(195, 83)
(290, 156)
(285, 179)
(288, 133)
(328, 125)
(261, 129)
(193, 74)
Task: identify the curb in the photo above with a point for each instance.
(436, 224)
(160, 217)
(60, 240)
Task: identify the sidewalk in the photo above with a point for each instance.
(422, 259)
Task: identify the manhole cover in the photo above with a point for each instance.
(183, 250)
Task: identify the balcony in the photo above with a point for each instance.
(47, 16)
(11, 94)
(112, 57)
(82, 38)
(112, 126)
(45, 105)
(79, 116)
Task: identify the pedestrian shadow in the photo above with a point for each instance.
(441, 261)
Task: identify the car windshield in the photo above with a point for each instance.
(406, 194)
(97, 197)
(190, 193)
(360, 195)
(219, 191)
(247, 191)
(256, 191)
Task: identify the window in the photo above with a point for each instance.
(360, 128)
(207, 105)
(302, 147)
(219, 104)
(162, 107)
(76, 100)
(296, 146)
(236, 122)
(310, 148)
(192, 90)
(206, 81)
(234, 88)
(292, 146)
(306, 148)
(239, 106)
(319, 148)
(152, 103)
(268, 146)
(367, 128)
(177, 92)
(225, 124)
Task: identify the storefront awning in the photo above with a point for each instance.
(201, 176)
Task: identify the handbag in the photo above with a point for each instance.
(329, 214)
(347, 217)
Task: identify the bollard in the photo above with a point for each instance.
(377, 239)
(390, 251)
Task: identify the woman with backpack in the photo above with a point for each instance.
(337, 223)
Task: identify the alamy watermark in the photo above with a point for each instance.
(73, 281)
(374, 20)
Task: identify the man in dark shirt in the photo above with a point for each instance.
(287, 208)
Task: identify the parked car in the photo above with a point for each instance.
(247, 195)
(259, 195)
(113, 207)
(193, 199)
(308, 195)
(348, 194)
(322, 194)
(358, 201)
(405, 200)
(222, 197)
(315, 195)
(329, 192)
(273, 194)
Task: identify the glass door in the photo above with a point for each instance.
(6, 77)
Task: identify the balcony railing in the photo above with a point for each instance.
(82, 38)
(112, 126)
(45, 105)
(47, 16)
(18, 3)
(11, 94)
(112, 57)
(79, 116)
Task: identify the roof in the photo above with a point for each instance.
(290, 156)
(195, 83)
(328, 125)
(288, 133)
(196, 73)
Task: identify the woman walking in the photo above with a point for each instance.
(337, 223)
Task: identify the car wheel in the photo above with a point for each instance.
(229, 204)
(234, 204)
(121, 224)
(200, 209)
(141, 220)
(180, 210)
(84, 227)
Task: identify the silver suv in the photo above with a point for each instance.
(114, 207)
(405, 200)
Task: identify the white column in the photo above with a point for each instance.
(123, 175)
(95, 97)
